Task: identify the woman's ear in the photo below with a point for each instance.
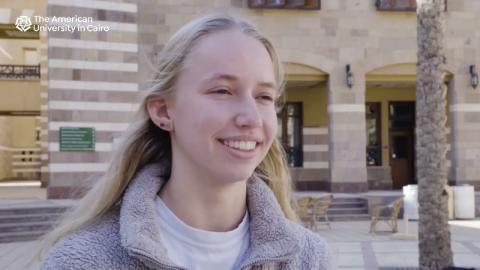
(158, 110)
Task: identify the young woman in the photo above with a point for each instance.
(200, 180)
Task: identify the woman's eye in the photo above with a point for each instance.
(268, 98)
(221, 91)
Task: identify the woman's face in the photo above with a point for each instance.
(223, 110)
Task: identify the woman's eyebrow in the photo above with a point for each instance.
(267, 85)
(229, 77)
(220, 76)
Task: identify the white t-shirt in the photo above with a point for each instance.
(197, 249)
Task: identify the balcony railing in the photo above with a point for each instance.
(284, 4)
(398, 5)
(19, 72)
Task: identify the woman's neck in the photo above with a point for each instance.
(204, 204)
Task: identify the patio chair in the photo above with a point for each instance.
(388, 214)
(304, 211)
(320, 208)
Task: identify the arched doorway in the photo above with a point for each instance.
(390, 118)
(303, 125)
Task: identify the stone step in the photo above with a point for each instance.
(358, 217)
(26, 226)
(348, 204)
(349, 200)
(19, 218)
(7, 237)
(18, 210)
(347, 211)
(28, 220)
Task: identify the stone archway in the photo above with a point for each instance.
(390, 118)
(304, 127)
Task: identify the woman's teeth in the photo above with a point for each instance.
(242, 145)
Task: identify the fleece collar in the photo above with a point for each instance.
(272, 236)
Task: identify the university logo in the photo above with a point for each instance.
(23, 23)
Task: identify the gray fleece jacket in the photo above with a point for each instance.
(128, 236)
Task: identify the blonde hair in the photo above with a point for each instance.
(145, 143)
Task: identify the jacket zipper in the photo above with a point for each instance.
(262, 261)
(173, 267)
(139, 253)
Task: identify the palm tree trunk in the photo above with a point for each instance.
(431, 142)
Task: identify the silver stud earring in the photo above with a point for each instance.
(165, 126)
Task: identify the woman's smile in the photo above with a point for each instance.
(241, 149)
(242, 146)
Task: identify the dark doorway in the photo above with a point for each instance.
(290, 123)
(402, 143)
(374, 133)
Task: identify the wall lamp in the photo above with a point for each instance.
(349, 76)
(473, 76)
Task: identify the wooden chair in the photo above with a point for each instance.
(388, 214)
(304, 211)
(320, 207)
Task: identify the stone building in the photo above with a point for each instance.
(348, 124)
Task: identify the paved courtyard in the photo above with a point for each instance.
(352, 247)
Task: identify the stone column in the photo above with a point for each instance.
(5, 143)
(347, 138)
(44, 104)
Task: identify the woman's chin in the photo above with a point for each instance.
(235, 176)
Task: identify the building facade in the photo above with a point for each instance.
(20, 93)
(349, 118)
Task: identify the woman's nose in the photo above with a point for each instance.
(248, 114)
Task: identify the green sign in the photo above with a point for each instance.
(77, 139)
